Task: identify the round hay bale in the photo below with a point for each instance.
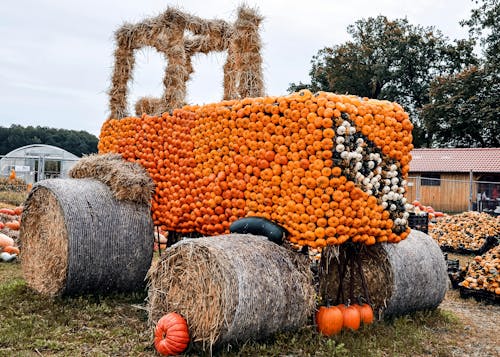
(399, 278)
(232, 288)
(77, 238)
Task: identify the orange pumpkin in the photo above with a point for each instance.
(11, 250)
(329, 320)
(341, 307)
(352, 317)
(7, 211)
(366, 313)
(171, 334)
(5, 240)
(14, 225)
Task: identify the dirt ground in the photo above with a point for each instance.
(480, 333)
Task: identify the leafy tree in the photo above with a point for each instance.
(391, 60)
(484, 25)
(76, 142)
(464, 108)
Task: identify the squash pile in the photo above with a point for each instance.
(468, 230)
(329, 168)
(420, 209)
(483, 273)
(9, 227)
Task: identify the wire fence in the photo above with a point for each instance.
(31, 169)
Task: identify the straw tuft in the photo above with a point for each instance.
(128, 181)
(231, 288)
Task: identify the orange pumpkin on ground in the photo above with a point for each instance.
(171, 334)
(7, 211)
(5, 240)
(14, 225)
(352, 317)
(329, 320)
(366, 313)
(11, 250)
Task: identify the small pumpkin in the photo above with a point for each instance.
(7, 211)
(14, 225)
(341, 307)
(329, 320)
(11, 249)
(5, 240)
(352, 317)
(171, 334)
(366, 313)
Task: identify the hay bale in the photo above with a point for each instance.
(148, 105)
(77, 238)
(128, 181)
(179, 36)
(408, 276)
(232, 288)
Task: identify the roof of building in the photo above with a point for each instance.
(41, 150)
(455, 160)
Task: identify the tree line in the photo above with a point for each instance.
(76, 142)
(451, 92)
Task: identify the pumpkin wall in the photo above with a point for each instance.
(329, 168)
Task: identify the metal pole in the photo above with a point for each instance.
(469, 206)
(418, 181)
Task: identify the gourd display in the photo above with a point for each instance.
(482, 272)
(466, 232)
(328, 168)
(5, 241)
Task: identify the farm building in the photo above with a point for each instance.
(33, 163)
(456, 180)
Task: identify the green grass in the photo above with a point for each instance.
(12, 197)
(31, 325)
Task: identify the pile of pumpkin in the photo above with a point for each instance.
(483, 273)
(329, 168)
(420, 209)
(330, 320)
(467, 231)
(9, 227)
(171, 335)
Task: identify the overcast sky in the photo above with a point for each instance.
(56, 55)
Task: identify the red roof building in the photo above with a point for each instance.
(455, 180)
(456, 160)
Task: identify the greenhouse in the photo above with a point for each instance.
(33, 163)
